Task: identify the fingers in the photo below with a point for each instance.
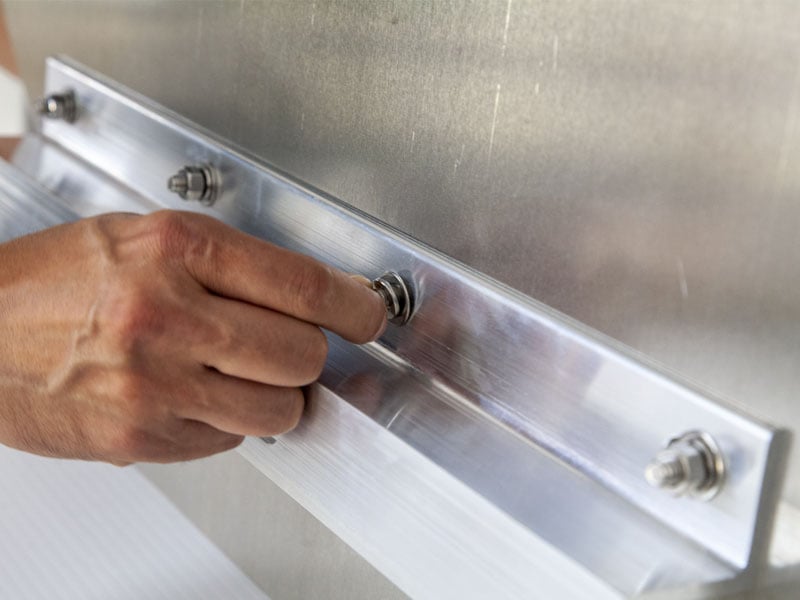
(242, 407)
(182, 440)
(224, 364)
(258, 344)
(236, 265)
(204, 413)
(193, 439)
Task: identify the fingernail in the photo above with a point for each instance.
(367, 283)
(362, 280)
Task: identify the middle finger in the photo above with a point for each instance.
(250, 342)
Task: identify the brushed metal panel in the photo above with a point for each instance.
(649, 188)
(389, 501)
(632, 165)
(524, 524)
(286, 551)
(490, 350)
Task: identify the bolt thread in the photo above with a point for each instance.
(666, 473)
(177, 183)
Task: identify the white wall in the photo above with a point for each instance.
(12, 105)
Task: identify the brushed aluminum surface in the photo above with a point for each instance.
(421, 526)
(26, 207)
(541, 377)
(414, 518)
(644, 155)
(633, 165)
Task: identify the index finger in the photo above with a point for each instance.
(237, 265)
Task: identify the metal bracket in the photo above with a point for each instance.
(511, 374)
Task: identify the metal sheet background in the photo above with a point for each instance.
(543, 378)
(633, 165)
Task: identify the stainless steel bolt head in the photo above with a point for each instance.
(194, 183)
(690, 465)
(58, 106)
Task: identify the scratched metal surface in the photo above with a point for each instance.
(529, 369)
(314, 462)
(632, 165)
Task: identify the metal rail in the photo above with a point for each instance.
(542, 427)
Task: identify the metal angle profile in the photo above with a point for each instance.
(483, 398)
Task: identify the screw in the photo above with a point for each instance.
(194, 183)
(691, 464)
(396, 296)
(58, 106)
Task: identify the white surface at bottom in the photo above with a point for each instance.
(78, 530)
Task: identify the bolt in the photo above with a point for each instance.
(58, 106)
(396, 296)
(691, 464)
(194, 183)
(665, 473)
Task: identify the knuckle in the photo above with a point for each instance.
(168, 231)
(184, 236)
(311, 288)
(201, 248)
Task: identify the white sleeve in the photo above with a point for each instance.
(13, 101)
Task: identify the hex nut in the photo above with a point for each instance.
(58, 106)
(194, 183)
(690, 465)
(396, 296)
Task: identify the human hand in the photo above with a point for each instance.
(164, 337)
